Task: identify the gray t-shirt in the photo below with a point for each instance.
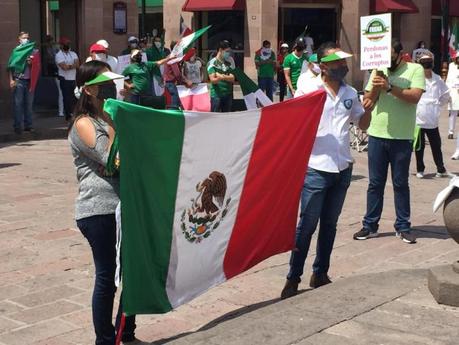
(98, 194)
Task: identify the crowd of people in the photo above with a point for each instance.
(396, 100)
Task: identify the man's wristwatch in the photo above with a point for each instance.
(389, 90)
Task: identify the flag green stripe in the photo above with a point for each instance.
(18, 58)
(149, 178)
(247, 85)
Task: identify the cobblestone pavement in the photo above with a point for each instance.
(46, 271)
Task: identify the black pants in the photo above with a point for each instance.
(282, 86)
(435, 144)
(68, 95)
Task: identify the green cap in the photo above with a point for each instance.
(339, 55)
(313, 58)
(104, 77)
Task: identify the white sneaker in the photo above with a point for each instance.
(420, 174)
(455, 156)
(60, 115)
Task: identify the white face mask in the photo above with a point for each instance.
(158, 45)
(24, 40)
(316, 68)
(101, 57)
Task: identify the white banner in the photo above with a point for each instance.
(375, 41)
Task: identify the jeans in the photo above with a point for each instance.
(435, 145)
(100, 231)
(221, 104)
(68, 95)
(322, 199)
(22, 99)
(175, 99)
(266, 85)
(381, 154)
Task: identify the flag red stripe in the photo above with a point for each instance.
(266, 219)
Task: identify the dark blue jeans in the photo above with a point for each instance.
(381, 154)
(266, 85)
(100, 231)
(22, 99)
(175, 99)
(221, 104)
(322, 199)
(68, 95)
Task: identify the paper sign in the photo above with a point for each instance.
(125, 60)
(375, 41)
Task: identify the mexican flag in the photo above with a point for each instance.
(206, 196)
(18, 58)
(196, 98)
(251, 92)
(185, 43)
(454, 39)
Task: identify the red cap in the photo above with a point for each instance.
(406, 57)
(64, 40)
(97, 48)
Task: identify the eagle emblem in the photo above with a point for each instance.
(207, 210)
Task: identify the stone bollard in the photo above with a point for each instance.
(443, 281)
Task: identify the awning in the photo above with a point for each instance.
(400, 6)
(213, 5)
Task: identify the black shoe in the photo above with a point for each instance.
(291, 288)
(29, 129)
(406, 236)
(364, 234)
(18, 130)
(318, 280)
(450, 136)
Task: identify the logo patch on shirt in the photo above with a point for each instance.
(348, 103)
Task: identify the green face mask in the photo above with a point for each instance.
(226, 55)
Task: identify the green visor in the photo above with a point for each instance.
(339, 55)
(104, 77)
(313, 58)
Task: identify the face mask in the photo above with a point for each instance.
(422, 46)
(266, 51)
(158, 45)
(24, 40)
(338, 73)
(316, 68)
(137, 58)
(427, 64)
(65, 47)
(106, 91)
(133, 45)
(394, 64)
(101, 57)
(226, 55)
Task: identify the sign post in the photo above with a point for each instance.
(375, 41)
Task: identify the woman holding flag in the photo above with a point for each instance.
(90, 136)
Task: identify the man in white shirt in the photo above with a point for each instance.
(310, 70)
(100, 51)
(67, 63)
(329, 168)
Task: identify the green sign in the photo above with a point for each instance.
(150, 3)
(53, 5)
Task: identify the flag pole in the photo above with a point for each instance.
(142, 18)
(445, 23)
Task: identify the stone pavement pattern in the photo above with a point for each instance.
(46, 271)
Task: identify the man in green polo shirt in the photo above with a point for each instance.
(292, 65)
(221, 80)
(265, 61)
(395, 92)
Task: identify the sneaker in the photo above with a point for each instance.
(29, 129)
(420, 174)
(291, 288)
(318, 280)
(60, 115)
(406, 236)
(450, 136)
(455, 156)
(364, 234)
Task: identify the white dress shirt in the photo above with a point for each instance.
(67, 58)
(331, 151)
(429, 106)
(452, 81)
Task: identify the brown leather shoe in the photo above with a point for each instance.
(291, 288)
(319, 279)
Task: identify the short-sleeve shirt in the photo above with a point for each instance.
(331, 151)
(266, 70)
(294, 64)
(141, 75)
(393, 118)
(67, 58)
(222, 88)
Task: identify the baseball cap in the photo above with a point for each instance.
(284, 45)
(426, 55)
(97, 48)
(64, 40)
(313, 58)
(133, 38)
(103, 43)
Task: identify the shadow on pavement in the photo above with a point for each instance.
(431, 231)
(7, 165)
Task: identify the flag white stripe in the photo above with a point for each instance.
(196, 267)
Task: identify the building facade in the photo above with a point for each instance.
(246, 23)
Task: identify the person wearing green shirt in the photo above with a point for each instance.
(292, 66)
(140, 76)
(221, 79)
(395, 93)
(265, 61)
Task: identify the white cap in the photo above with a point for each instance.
(103, 43)
(284, 45)
(132, 38)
